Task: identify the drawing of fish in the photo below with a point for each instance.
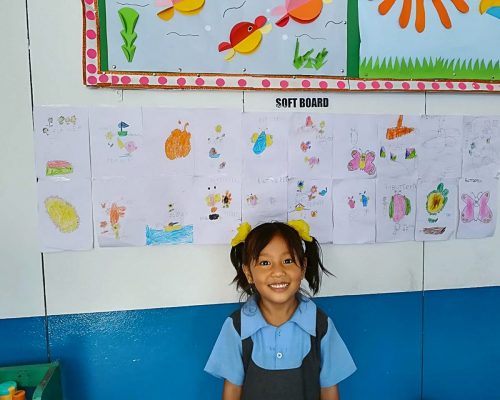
(186, 7)
(301, 11)
(212, 153)
(245, 37)
(261, 142)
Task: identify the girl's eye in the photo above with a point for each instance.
(264, 263)
(288, 261)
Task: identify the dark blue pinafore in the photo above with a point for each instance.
(300, 383)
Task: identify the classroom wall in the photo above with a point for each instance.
(418, 318)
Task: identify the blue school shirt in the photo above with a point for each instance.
(282, 347)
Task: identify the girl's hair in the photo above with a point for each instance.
(248, 251)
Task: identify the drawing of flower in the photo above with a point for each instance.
(404, 17)
(436, 200)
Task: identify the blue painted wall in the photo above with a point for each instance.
(163, 351)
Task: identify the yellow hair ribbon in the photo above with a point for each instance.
(243, 231)
(302, 228)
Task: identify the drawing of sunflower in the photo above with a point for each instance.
(436, 200)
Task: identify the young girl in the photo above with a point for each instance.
(279, 346)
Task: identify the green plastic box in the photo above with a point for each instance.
(44, 379)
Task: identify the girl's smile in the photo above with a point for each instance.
(276, 275)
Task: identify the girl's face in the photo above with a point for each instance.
(275, 275)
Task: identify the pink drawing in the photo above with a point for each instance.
(312, 161)
(312, 193)
(351, 201)
(362, 161)
(399, 206)
(476, 208)
(309, 121)
(130, 147)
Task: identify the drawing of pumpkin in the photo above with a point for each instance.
(178, 144)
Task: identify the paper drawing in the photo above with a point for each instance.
(355, 146)
(116, 141)
(311, 200)
(399, 138)
(396, 200)
(169, 214)
(119, 211)
(481, 147)
(168, 140)
(65, 215)
(217, 147)
(61, 139)
(217, 209)
(265, 142)
(353, 211)
(440, 153)
(264, 200)
(436, 209)
(310, 146)
(477, 207)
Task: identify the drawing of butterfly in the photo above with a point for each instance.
(476, 208)
(363, 162)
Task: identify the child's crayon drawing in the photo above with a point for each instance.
(353, 212)
(312, 204)
(478, 207)
(62, 214)
(111, 224)
(395, 210)
(178, 144)
(264, 200)
(364, 161)
(173, 231)
(310, 146)
(261, 141)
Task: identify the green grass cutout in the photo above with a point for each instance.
(128, 18)
(429, 68)
(307, 60)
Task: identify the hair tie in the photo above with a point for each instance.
(302, 228)
(242, 233)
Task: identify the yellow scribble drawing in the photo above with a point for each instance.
(62, 214)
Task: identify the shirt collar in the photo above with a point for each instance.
(252, 319)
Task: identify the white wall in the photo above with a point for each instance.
(130, 278)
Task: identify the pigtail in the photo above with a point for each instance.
(237, 253)
(315, 268)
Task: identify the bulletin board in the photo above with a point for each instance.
(293, 44)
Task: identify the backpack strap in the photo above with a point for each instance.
(246, 344)
(321, 323)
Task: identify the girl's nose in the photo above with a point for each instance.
(277, 270)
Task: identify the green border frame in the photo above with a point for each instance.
(103, 38)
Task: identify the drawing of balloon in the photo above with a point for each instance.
(62, 214)
(178, 144)
(399, 206)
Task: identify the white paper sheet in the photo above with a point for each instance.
(117, 142)
(310, 146)
(399, 138)
(264, 200)
(217, 143)
(65, 215)
(440, 153)
(396, 203)
(481, 147)
(120, 206)
(169, 210)
(355, 146)
(354, 211)
(265, 144)
(311, 200)
(477, 204)
(169, 140)
(217, 209)
(437, 209)
(61, 142)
